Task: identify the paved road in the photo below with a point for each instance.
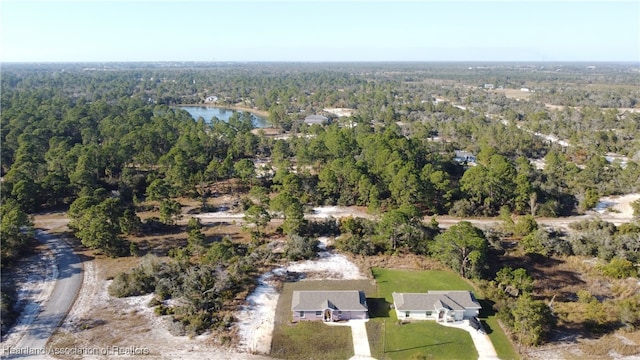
(64, 293)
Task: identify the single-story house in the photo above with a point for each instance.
(464, 157)
(436, 305)
(316, 119)
(328, 305)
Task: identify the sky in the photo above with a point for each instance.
(319, 31)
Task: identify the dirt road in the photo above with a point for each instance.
(53, 310)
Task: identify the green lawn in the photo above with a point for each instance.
(388, 339)
(416, 281)
(425, 339)
(311, 339)
(501, 343)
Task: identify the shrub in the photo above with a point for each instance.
(138, 282)
(463, 208)
(584, 296)
(619, 269)
(534, 243)
(299, 247)
(356, 245)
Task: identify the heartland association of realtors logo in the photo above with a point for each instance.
(82, 351)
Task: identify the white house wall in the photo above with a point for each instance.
(471, 313)
(422, 315)
(311, 315)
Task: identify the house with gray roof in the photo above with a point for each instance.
(316, 119)
(443, 306)
(464, 158)
(328, 305)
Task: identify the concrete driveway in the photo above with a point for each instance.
(483, 344)
(360, 338)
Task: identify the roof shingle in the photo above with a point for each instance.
(348, 300)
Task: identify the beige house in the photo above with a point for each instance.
(328, 305)
(442, 306)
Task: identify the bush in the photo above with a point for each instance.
(355, 245)
(584, 296)
(132, 284)
(534, 243)
(162, 309)
(619, 269)
(463, 208)
(525, 226)
(299, 248)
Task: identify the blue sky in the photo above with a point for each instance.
(64, 31)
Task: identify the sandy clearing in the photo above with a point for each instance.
(256, 319)
(99, 321)
(323, 212)
(616, 209)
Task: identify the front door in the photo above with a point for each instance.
(327, 315)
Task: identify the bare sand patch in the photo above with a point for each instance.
(256, 319)
(616, 209)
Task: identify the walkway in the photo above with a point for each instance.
(483, 344)
(360, 339)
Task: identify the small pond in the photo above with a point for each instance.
(208, 112)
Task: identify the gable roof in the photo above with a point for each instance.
(316, 119)
(348, 300)
(433, 300)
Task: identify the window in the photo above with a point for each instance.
(407, 314)
(301, 314)
(318, 313)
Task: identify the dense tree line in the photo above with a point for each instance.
(100, 141)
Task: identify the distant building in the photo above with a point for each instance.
(488, 86)
(524, 89)
(464, 157)
(316, 119)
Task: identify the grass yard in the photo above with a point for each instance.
(416, 281)
(311, 339)
(425, 339)
(418, 340)
(500, 341)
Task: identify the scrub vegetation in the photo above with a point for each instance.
(111, 147)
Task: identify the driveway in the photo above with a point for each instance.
(53, 310)
(483, 344)
(360, 339)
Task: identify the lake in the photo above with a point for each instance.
(208, 112)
